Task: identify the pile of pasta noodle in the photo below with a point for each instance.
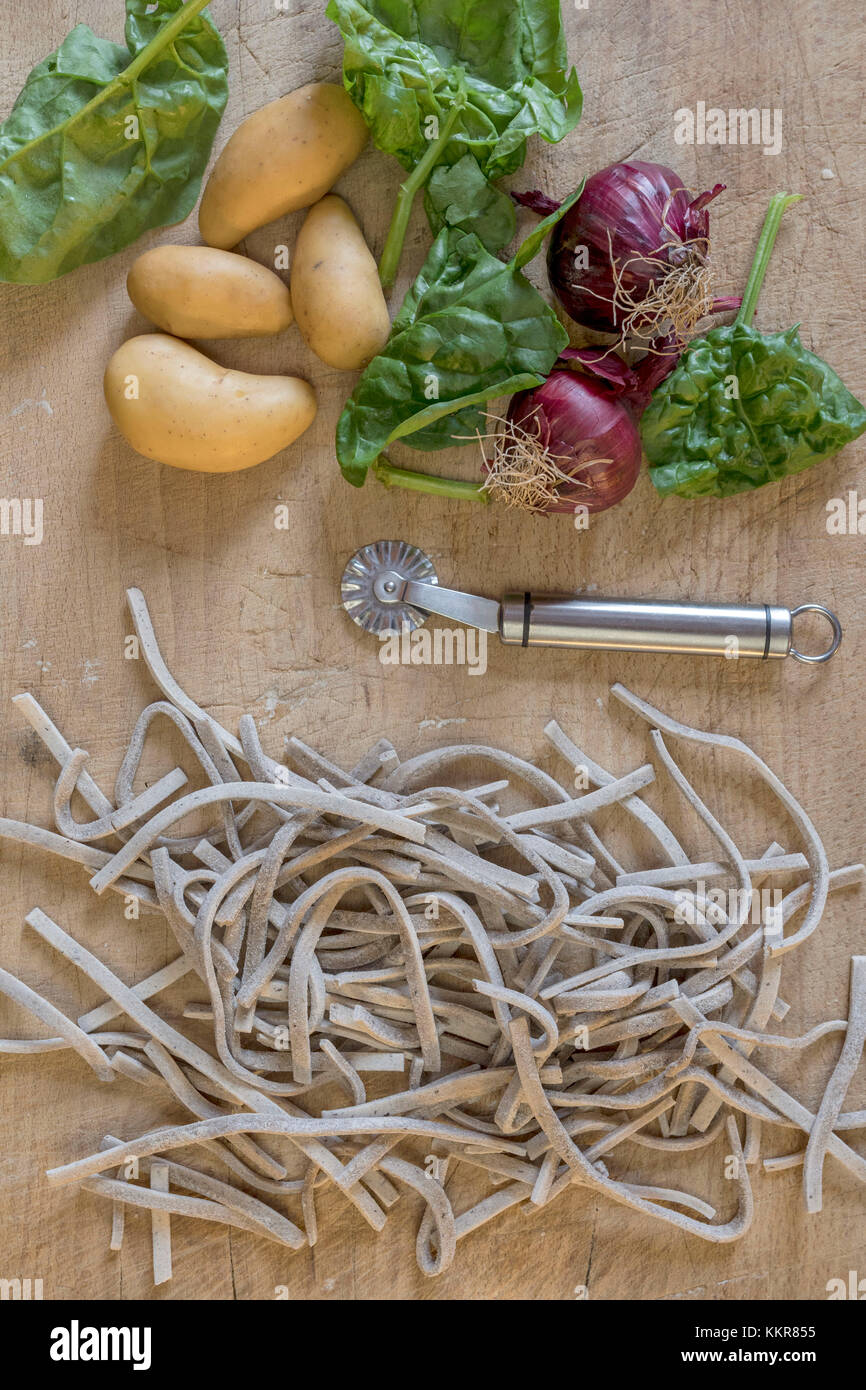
(516, 999)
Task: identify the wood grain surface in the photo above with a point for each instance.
(249, 619)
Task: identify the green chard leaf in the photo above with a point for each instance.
(106, 142)
(744, 408)
(458, 86)
(458, 195)
(471, 328)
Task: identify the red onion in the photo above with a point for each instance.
(645, 242)
(566, 444)
(632, 385)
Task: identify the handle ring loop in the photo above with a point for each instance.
(834, 624)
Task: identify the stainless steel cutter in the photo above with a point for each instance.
(390, 586)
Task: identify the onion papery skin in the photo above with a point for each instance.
(625, 211)
(592, 436)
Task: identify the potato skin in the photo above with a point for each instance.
(192, 413)
(198, 292)
(285, 156)
(336, 293)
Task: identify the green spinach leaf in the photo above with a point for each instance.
(458, 82)
(743, 408)
(106, 142)
(470, 329)
(458, 195)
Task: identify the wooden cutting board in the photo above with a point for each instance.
(249, 618)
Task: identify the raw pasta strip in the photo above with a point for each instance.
(178, 1136)
(123, 785)
(169, 974)
(88, 855)
(336, 884)
(184, 1091)
(72, 1035)
(163, 677)
(688, 1097)
(583, 805)
(56, 744)
(189, 1052)
(328, 803)
(141, 806)
(761, 1085)
(261, 1216)
(441, 1212)
(160, 1218)
(562, 1143)
(633, 804)
(676, 874)
(164, 1203)
(814, 849)
(837, 1087)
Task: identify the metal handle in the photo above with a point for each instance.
(615, 624)
(646, 625)
(390, 587)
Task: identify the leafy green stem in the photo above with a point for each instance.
(393, 249)
(779, 203)
(164, 36)
(427, 482)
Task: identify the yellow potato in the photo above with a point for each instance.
(173, 404)
(197, 292)
(336, 293)
(283, 157)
